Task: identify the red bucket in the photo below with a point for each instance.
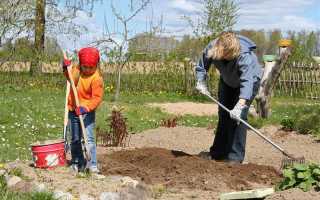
(48, 154)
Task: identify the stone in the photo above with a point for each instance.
(86, 197)
(39, 187)
(127, 181)
(22, 186)
(114, 178)
(12, 180)
(98, 176)
(109, 196)
(60, 195)
(11, 165)
(2, 172)
(140, 192)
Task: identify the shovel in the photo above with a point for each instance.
(83, 128)
(66, 120)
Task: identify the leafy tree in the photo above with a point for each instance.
(150, 47)
(218, 16)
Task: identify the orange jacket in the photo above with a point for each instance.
(90, 89)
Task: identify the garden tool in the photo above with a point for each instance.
(83, 128)
(66, 120)
(289, 159)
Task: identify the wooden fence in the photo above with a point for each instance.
(299, 80)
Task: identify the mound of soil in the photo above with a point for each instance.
(181, 170)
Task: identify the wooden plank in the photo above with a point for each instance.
(247, 194)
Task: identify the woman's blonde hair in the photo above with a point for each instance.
(227, 47)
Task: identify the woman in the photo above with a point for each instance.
(240, 75)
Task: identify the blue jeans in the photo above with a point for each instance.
(230, 138)
(76, 134)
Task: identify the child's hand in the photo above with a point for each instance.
(80, 110)
(66, 61)
(65, 64)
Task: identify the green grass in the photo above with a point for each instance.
(31, 113)
(26, 117)
(198, 121)
(33, 110)
(8, 195)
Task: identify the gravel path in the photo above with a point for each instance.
(183, 108)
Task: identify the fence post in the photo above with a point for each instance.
(186, 64)
(271, 76)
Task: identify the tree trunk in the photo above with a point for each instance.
(118, 84)
(39, 34)
(269, 79)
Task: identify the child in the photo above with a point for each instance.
(240, 75)
(89, 84)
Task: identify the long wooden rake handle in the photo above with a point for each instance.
(66, 119)
(83, 128)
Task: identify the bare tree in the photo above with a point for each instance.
(117, 39)
(15, 19)
(57, 19)
(39, 18)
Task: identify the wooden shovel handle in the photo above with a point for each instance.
(65, 122)
(83, 128)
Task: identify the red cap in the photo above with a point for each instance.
(89, 56)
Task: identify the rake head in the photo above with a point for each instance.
(290, 160)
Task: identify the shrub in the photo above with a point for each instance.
(287, 124)
(305, 120)
(303, 176)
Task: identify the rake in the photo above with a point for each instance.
(287, 161)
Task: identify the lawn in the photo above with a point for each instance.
(33, 110)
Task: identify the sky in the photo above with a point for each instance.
(253, 14)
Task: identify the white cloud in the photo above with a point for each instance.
(253, 14)
(184, 5)
(275, 14)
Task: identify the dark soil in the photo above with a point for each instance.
(180, 170)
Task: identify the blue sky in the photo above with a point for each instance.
(253, 14)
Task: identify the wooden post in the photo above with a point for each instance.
(186, 64)
(271, 74)
(263, 107)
